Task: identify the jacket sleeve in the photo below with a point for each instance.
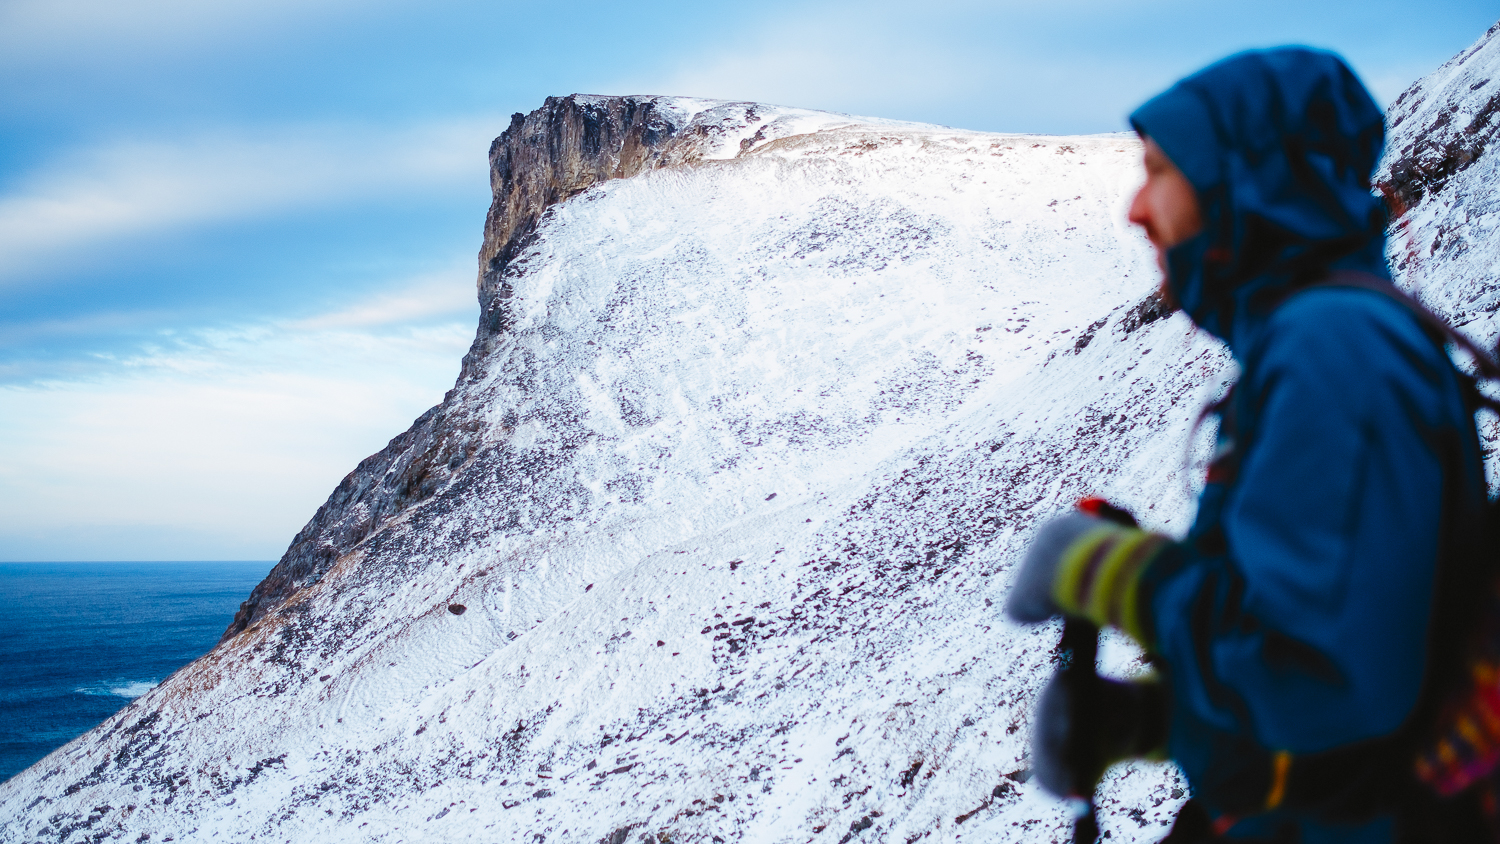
(1306, 628)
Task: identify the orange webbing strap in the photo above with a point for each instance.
(1281, 766)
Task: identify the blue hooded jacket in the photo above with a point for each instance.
(1296, 614)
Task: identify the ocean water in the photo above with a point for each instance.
(78, 641)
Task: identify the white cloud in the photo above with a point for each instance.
(222, 443)
(89, 199)
(1068, 66)
(798, 68)
(429, 296)
(1001, 66)
(80, 29)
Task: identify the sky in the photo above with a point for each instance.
(238, 239)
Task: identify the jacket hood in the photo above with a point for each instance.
(1279, 145)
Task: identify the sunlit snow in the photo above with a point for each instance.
(778, 425)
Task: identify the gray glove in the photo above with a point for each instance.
(1030, 600)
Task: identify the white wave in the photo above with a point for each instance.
(130, 688)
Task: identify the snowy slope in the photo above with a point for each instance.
(709, 540)
(719, 522)
(1443, 165)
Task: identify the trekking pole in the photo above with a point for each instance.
(1080, 650)
(1080, 654)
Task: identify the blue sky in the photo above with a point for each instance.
(237, 238)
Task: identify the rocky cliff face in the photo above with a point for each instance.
(709, 539)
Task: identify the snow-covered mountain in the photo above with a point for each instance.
(1442, 170)
(1442, 166)
(710, 538)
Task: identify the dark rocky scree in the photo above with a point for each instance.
(1439, 173)
(543, 158)
(1442, 148)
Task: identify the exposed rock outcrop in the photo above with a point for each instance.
(553, 154)
(1441, 170)
(1442, 125)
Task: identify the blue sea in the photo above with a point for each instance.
(78, 641)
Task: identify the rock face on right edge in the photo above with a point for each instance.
(1442, 167)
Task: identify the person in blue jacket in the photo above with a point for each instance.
(1299, 628)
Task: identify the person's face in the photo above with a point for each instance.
(1166, 206)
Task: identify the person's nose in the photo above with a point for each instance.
(1140, 213)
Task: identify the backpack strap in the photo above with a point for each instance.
(1487, 369)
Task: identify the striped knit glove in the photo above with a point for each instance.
(1084, 566)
